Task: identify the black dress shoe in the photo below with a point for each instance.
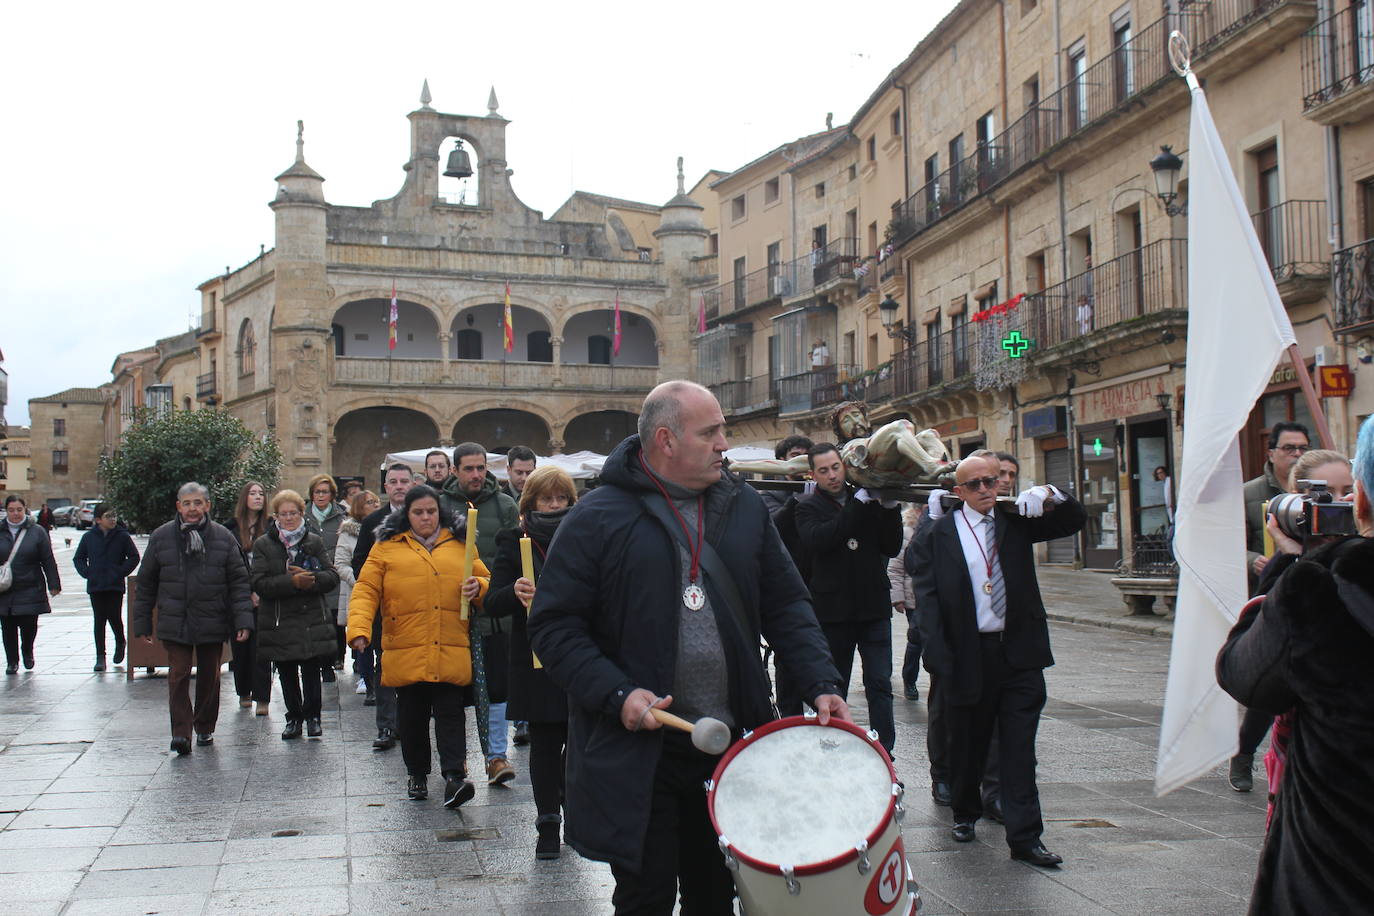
(418, 788)
(457, 791)
(963, 832)
(28, 662)
(522, 734)
(292, 730)
(204, 740)
(385, 740)
(1038, 855)
(182, 746)
(992, 810)
(312, 727)
(941, 794)
(11, 669)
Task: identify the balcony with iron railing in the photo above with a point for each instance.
(819, 269)
(1352, 271)
(1338, 66)
(1294, 237)
(744, 396)
(1105, 91)
(206, 386)
(936, 360)
(490, 373)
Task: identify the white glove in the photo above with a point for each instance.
(808, 488)
(863, 496)
(1031, 503)
(889, 503)
(935, 508)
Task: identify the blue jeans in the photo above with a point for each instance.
(499, 728)
(873, 640)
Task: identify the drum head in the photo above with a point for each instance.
(802, 795)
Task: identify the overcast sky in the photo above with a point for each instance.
(143, 137)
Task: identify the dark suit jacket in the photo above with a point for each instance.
(848, 584)
(942, 583)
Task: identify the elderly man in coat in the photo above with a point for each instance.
(634, 611)
(193, 572)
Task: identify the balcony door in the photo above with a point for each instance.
(1270, 195)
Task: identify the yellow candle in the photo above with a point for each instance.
(469, 555)
(527, 570)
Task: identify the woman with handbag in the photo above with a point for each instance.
(292, 573)
(533, 697)
(29, 569)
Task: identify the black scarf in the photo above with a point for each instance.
(540, 526)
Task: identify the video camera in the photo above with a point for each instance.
(1315, 513)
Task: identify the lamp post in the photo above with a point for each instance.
(887, 312)
(1166, 167)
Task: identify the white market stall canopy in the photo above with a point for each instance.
(579, 465)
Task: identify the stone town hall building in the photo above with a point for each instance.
(296, 341)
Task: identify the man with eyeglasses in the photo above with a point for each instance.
(988, 641)
(1287, 443)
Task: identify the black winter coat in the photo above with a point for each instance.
(34, 569)
(532, 696)
(849, 584)
(605, 621)
(293, 625)
(200, 599)
(1308, 650)
(105, 560)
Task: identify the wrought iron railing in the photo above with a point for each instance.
(205, 385)
(745, 395)
(1338, 55)
(935, 360)
(1152, 556)
(1142, 282)
(1353, 278)
(833, 384)
(831, 262)
(1294, 237)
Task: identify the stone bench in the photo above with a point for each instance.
(1139, 594)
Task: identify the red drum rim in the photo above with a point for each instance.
(812, 868)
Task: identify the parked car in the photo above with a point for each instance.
(65, 515)
(85, 513)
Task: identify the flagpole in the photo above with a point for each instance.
(1309, 394)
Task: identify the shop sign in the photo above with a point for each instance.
(1046, 421)
(1336, 381)
(958, 427)
(1115, 402)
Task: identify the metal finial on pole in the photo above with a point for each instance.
(300, 141)
(681, 187)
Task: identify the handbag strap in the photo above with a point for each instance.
(14, 548)
(711, 562)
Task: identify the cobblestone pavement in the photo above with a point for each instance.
(96, 817)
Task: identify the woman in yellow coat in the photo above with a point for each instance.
(414, 574)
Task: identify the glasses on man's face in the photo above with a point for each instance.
(1291, 449)
(979, 483)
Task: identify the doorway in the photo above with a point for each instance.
(1098, 456)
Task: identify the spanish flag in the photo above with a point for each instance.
(507, 325)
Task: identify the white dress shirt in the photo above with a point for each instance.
(977, 553)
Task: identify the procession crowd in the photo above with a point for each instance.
(576, 620)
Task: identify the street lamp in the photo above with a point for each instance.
(1166, 167)
(887, 311)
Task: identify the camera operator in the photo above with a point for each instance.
(1333, 469)
(1306, 651)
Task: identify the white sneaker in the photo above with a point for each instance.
(362, 686)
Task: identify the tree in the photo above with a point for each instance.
(160, 453)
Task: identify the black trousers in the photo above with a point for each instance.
(300, 688)
(108, 607)
(1253, 727)
(19, 630)
(911, 659)
(415, 704)
(1010, 702)
(680, 852)
(873, 641)
(548, 753)
(252, 674)
(937, 744)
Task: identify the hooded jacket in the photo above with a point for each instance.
(605, 621)
(293, 625)
(419, 592)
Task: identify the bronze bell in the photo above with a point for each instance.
(458, 164)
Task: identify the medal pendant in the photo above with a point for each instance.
(852, 544)
(694, 597)
(987, 587)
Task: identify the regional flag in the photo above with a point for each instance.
(701, 315)
(391, 321)
(615, 341)
(508, 325)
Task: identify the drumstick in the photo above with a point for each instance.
(527, 570)
(469, 554)
(710, 736)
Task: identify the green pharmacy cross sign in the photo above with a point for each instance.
(1097, 448)
(1015, 344)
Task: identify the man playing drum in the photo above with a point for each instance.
(664, 581)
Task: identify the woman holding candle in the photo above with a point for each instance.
(417, 574)
(520, 555)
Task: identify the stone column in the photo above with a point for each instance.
(557, 344)
(444, 339)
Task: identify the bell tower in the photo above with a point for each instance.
(681, 236)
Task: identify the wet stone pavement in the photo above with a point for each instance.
(96, 816)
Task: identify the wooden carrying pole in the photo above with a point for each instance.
(1309, 393)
